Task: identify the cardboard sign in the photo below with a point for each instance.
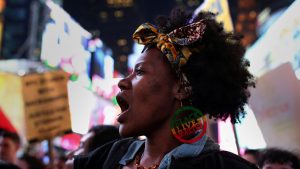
(37, 104)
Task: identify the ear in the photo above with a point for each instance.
(179, 92)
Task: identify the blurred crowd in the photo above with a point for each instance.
(11, 158)
(15, 156)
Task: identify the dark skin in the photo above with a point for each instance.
(8, 150)
(153, 95)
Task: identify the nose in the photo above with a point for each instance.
(124, 84)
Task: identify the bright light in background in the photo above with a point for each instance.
(79, 64)
(277, 51)
(50, 46)
(226, 136)
(278, 45)
(93, 108)
(297, 73)
(2, 5)
(94, 44)
(108, 67)
(106, 88)
(248, 132)
(137, 50)
(57, 13)
(64, 44)
(110, 114)
(82, 104)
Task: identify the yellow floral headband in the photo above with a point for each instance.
(172, 45)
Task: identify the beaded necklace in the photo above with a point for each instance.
(139, 166)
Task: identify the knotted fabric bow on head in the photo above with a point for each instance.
(172, 45)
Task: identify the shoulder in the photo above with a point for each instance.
(5, 165)
(215, 160)
(225, 159)
(235, 161)
(98, 157)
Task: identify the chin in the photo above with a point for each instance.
(124, 131)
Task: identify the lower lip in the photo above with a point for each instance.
(121, 116)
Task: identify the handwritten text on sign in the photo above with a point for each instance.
(46, 105)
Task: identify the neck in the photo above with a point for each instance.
(159, 142)
(157, 145)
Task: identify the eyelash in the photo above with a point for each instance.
(139, 71)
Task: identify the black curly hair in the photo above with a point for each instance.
(216, 70)
(279, 156)
(11, 135)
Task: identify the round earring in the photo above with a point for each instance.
(188, 124)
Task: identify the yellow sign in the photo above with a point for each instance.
(38, 102)
(219, 7)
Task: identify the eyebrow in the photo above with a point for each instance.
(139, 64)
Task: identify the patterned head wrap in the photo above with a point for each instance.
(172, 45)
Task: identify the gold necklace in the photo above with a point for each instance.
(139, 166)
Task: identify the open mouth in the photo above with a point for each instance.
(122, 103)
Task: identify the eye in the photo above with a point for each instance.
(138, 71)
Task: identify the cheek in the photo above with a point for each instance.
(155, 86)
(14, 148)
(147, 91)
(153, 100)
